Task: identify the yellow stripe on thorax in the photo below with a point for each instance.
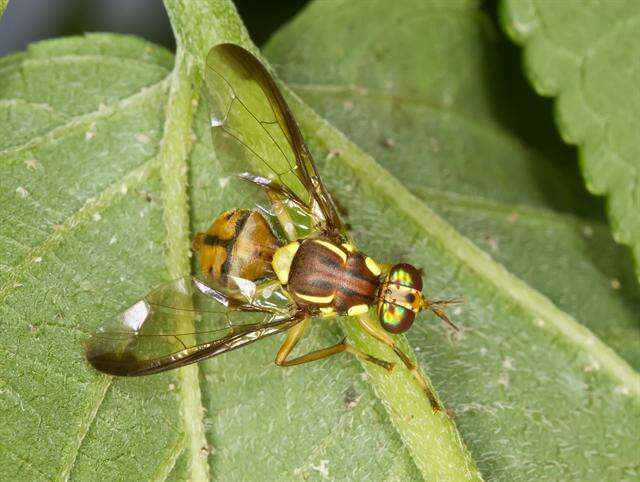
(332, 247)
(373, 266)
(317, 300)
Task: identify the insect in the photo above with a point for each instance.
(269, 269)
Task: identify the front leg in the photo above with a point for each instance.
(379, 334)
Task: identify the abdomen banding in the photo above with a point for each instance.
(324, 274)
(238, 243)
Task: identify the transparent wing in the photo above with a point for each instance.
(256, 135)
(185, 321)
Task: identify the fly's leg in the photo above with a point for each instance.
(295, 334)
(380, 335)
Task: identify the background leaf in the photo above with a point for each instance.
(572, 50)
(83, 240)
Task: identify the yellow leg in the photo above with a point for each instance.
(295, 334)
(380, 335)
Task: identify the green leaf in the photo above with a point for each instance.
(95, 209)
(441, 105)
(584, 56)
(94, 187)
(447, 123)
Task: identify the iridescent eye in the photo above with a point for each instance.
(406, 275)
(395, 318)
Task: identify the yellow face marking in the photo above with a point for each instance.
(349, 247)
(282, 259)
(327, 312)
(357, 310)
(373, 266)
(400, 295)
(333, 248)
(316, 300)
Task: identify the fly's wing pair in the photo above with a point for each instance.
(185, 321)
(190, 319)
(255, 136)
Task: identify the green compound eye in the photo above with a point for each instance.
(395, 318)
(406, 275)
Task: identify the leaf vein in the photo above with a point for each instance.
(82, 216)
(87, 119)
(103, 386)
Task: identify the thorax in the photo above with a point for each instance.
(326, 277)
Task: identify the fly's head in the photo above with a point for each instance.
(400, 299)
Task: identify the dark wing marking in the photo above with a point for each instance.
(254, 131)
(182, 322)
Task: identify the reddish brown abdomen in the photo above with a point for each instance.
(321, 276)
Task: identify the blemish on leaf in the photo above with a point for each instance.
(37, 259)
(388, 143)
(323, 467)
(351, 398)
(513, 217)
(223, 181)
(113, 240)
(507, 363)
(615, 284)
(96, 216)
(143, 138)
(91, 133)
(503, 379)
(491, 241)
(22, 192)
(594, 366)
(31, 164)
(587, 231)
(622, 390)
(434, 144)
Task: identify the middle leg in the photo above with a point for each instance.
(296, 333)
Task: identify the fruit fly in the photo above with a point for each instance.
(271, 268)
